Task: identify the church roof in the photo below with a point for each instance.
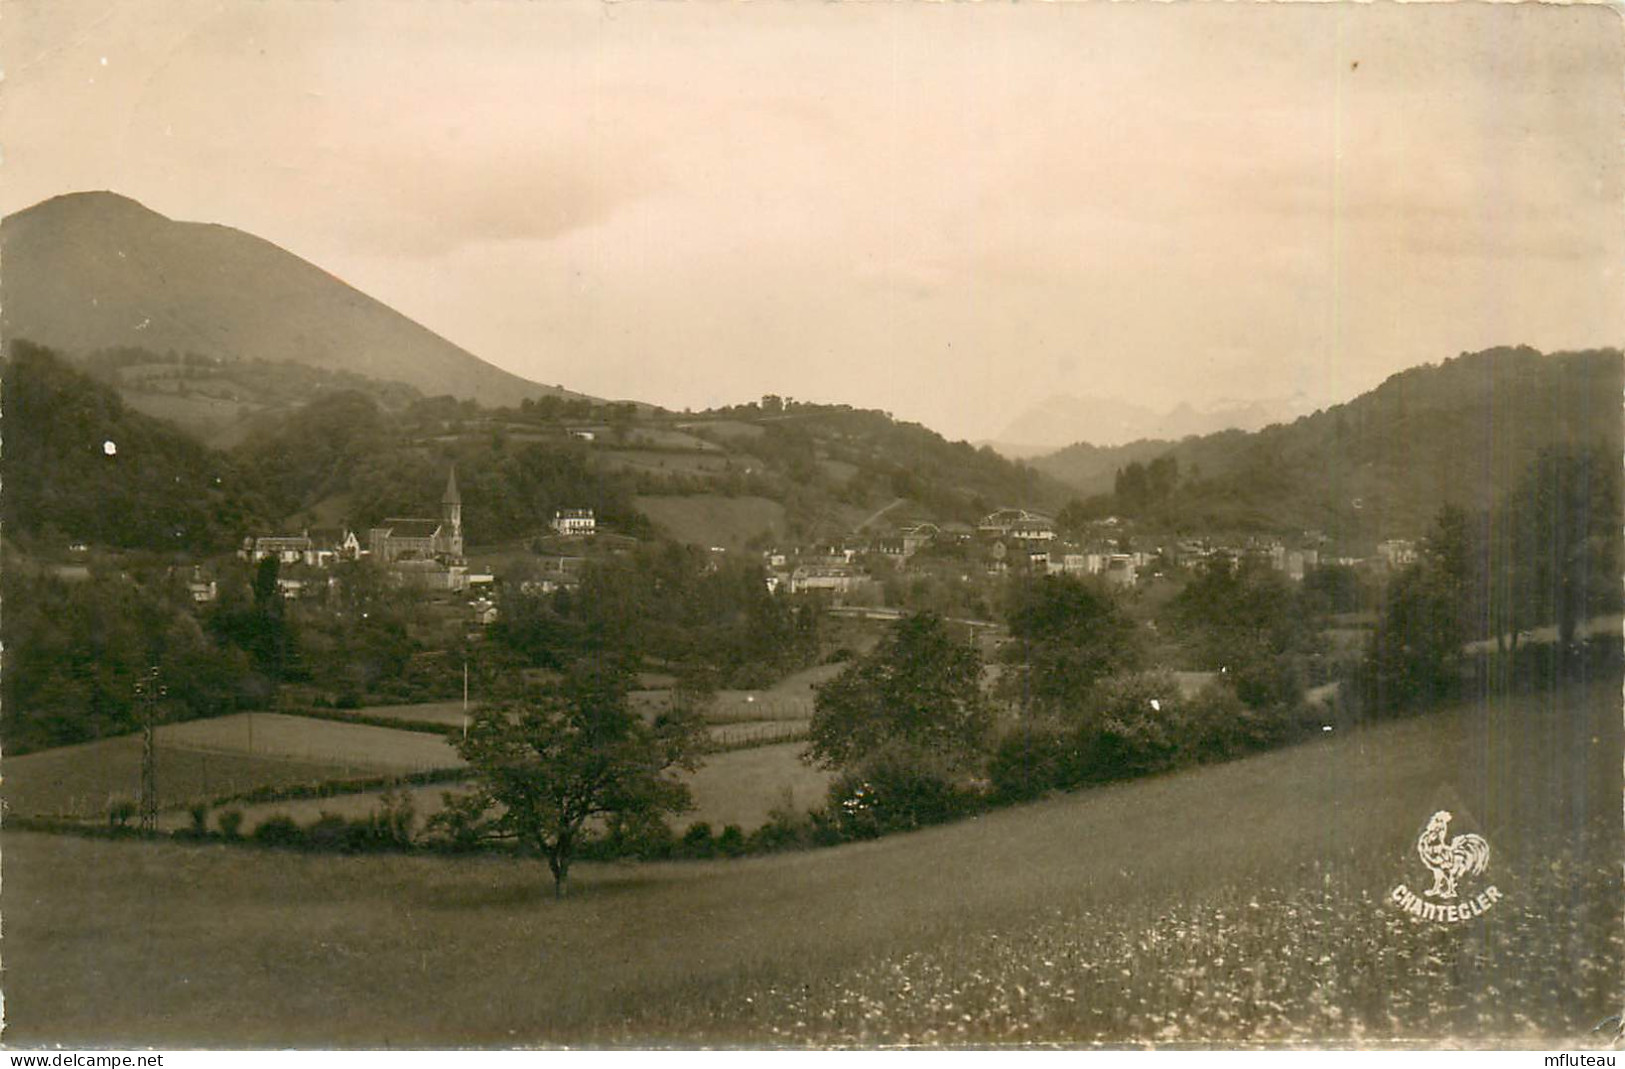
(408, 527)
(327, 536)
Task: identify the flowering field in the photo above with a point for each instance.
(1272, 965)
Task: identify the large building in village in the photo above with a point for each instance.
(409, 538)
(417, 550)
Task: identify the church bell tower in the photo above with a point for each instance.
(451, 516)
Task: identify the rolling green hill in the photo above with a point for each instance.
(1461, 432)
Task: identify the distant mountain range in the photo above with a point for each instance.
(1067, 419)
(94, 271)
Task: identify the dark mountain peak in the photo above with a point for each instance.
(97, 270)
(102, 201)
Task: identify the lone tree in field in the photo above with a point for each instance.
(550, 765)
(919, 690)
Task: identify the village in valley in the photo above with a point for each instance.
(818, 526)
(427, 555)
(578, 640)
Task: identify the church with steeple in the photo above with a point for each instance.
(400, 539)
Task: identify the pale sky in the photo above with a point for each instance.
(946, 210)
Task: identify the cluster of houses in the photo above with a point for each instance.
(427, 553)
(1017, 540)
(421, 552)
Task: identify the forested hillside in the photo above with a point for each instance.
(79, 466)
(354, 457)
(813, 455)
(343, 458)
(1461, 433)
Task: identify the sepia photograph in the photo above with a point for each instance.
(785, 525)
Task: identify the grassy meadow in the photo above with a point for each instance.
(306, 738)
(84, 781)
(205, 759)
(1238, 903)
(201, 760)
(739, 787)
(711, 519)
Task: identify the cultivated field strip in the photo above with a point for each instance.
(83, 782)
(739, 787)
(308, 739)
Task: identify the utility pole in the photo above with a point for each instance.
(149, 690)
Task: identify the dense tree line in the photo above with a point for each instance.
(1549, 553)
(79, 466)
(345, 444)
(915, 741)
(75, 650)
(75, 647)
(669, 603)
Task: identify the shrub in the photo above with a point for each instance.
(642, 836)
(1220, 725)
(200, 821)
(1136, 728)
(698, 841)
(461, 824)
(787, 827)
(895, 791)
(652, 840)
(231, 823)
(392, 825)
(751, 675)
(731, 843)
(1268, 682)
(1036, 758)
(328, 832)
(279, 830)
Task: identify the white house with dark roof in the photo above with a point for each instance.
(1017, 523)
(574, 522)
